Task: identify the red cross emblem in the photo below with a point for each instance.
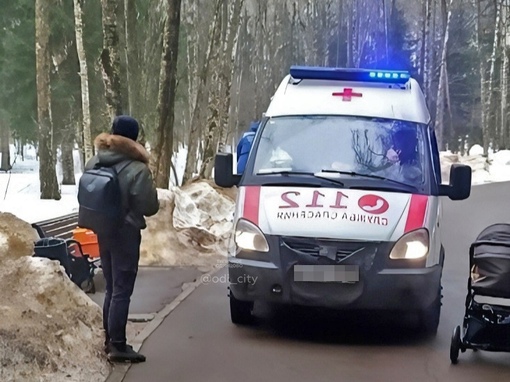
(347, 94)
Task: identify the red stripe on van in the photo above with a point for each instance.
(251, 204)
(416, 215)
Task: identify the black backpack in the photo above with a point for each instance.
(99, 196)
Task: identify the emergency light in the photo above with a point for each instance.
(348, 74)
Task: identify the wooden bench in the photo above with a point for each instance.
(61, 227)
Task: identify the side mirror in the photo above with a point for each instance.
(460, 183)
(223, 171)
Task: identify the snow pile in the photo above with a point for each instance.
(477, 163)
(498, 169)
(192, 227)
(50, 330)
(495, 168)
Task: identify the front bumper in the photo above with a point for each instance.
(382, 285)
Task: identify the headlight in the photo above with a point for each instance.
(413, 245)
(248, 236)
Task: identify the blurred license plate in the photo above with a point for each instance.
(326, 273)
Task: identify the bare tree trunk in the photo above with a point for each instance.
(67, 162)
(504, 99)
(492, 69)
(239, 80)
(131, 55)
(47, 173)
(385, 32)
(356, 56)
(448, 106)
(505, 67)
(110, 58)
(84, 77)
(427, 43)
(5, 152)
(258, 70)
(191, 55)
(167, 90)
(213, 119)
(202, 96)
(349, 34)
(481, 67)
(220, 102)
(486, 85)
(230, 53)
(294, 33)
(78, 131)
(423, 48)
(440, 101)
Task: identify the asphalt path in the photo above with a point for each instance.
(197, 341)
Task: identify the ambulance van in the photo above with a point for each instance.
(340, 202)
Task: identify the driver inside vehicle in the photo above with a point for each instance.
(400, 155)
(404, 148)
(404, 151)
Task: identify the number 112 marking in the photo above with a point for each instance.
(315, 200)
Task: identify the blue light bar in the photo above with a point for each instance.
(348, 74)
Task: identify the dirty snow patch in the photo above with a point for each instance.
(50, 329)
(192, 227)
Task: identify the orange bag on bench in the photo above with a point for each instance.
(88, 241)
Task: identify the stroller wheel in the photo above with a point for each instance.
(455, 345)
(88, 286)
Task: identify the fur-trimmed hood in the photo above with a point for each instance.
(121, 145)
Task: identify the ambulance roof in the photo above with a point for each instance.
(354, 92)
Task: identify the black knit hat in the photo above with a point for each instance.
(126, 126)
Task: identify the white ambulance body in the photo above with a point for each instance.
(339, 205)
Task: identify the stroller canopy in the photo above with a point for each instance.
(496, 232)
(491, 261)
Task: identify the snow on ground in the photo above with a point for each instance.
(50, 329)
(19, 190)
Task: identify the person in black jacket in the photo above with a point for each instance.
(120, 252)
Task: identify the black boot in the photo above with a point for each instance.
(124, 354)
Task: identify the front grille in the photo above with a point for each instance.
(332, 249)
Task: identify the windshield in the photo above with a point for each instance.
(367, 146)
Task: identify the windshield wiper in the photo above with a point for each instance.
(315, 175)
(353, 173)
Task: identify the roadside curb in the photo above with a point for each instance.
(119, 371)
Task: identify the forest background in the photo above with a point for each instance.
(196, 72)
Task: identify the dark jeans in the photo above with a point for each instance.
(119, 260)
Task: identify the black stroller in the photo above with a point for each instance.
(486, 326)
(71, 256)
